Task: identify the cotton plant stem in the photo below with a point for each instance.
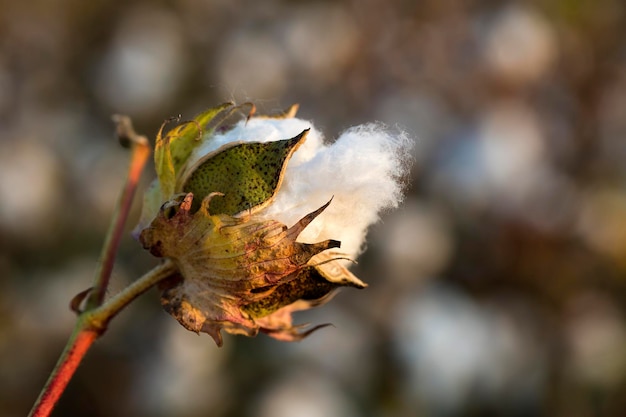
(89, 326)
(92, 322)
(140, 152)
(77, 346)
(100, 316)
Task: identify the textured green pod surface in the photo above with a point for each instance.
(172, 150)
(248, 174)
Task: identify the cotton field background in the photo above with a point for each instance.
(498, 288)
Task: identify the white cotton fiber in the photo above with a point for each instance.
(362, 171)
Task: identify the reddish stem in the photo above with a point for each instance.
(69, 361)
(108, 260)
(87, 330)
(90, 325)
(140, 153)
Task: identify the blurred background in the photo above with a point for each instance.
(499, 287)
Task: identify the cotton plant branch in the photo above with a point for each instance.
(140, 149)
(94, 317)
(229, 213)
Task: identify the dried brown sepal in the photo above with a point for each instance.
(239, 274)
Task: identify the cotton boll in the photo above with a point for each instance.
(595, 333)
(362, 171)
(303, 394)
(520, 46)
(29, 182)
(237, 273)
(458, 353)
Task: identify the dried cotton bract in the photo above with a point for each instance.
(232, 206)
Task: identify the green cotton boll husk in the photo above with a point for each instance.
(247, 174)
